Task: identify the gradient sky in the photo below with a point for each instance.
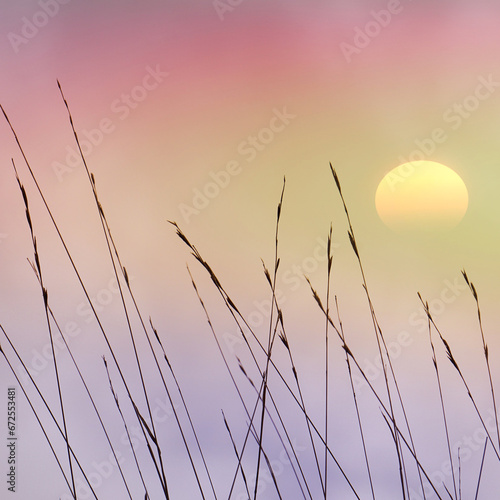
(173, 94)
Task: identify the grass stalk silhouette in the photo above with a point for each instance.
(381, 340)
(268, 463)
(270, 379)
(186, 409)
(485, 350)
(107, 235)
(355, 399)
(47, 407)
(35, 413)
(45, 296)
(284, 339)
(462, 378)
(480, 475)
(117, 403)
(327, 360)
(243, 475)
(75, 269)
(386, 413)
(230, 305)
(378, 333)
(88, 392)
(272, 335)
(251, 430)
(250, 417)
(445, 420)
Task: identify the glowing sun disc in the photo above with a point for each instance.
(421, 195)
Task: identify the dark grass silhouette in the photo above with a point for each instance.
(264, 415)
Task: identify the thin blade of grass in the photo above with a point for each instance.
(240, 467)
(40, 424)
(44, 401)
(327, 362)
(381, 340)
(68, 254)
(87, 390)
(358, 415)
(49, 328)
(129, 439)
(270, 341)
(481, 469)
(107, 235)
(236, 314)
(186, 409)
(464, 381)
(443, 411)
(486, 353)
(376, 395)
(251, 417)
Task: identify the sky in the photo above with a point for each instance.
(195, 113)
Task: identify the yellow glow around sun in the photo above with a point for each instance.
(421, 195)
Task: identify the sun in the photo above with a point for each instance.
(421, 196)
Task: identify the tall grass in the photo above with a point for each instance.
(265, 415)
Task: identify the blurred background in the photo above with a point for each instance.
(194, 112)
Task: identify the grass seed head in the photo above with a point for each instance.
(335, 177)
(353, 242)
